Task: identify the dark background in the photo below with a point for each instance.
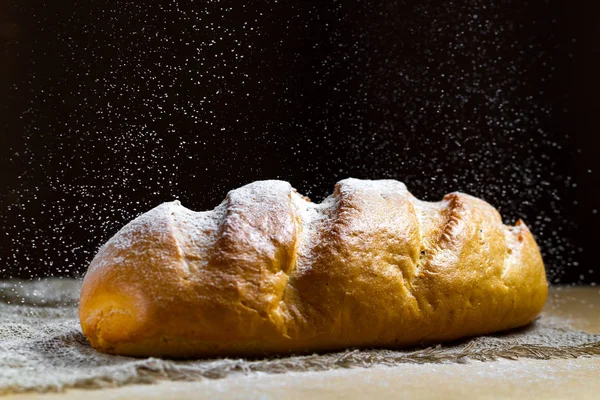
(110, 107)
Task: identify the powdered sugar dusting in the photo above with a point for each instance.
(381, 186)
(195, 233)
(150, 224)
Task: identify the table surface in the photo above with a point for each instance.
(570, 379)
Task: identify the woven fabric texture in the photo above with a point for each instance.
(42, 348)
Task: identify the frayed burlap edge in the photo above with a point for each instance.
(153, 370)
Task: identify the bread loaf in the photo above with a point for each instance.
(268, 271)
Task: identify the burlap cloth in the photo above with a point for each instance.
(42, 348)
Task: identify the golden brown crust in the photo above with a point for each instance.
(269, 272)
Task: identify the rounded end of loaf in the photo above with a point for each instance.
(527, 274)
(479, 276)
(122, 290)
(110, 318)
